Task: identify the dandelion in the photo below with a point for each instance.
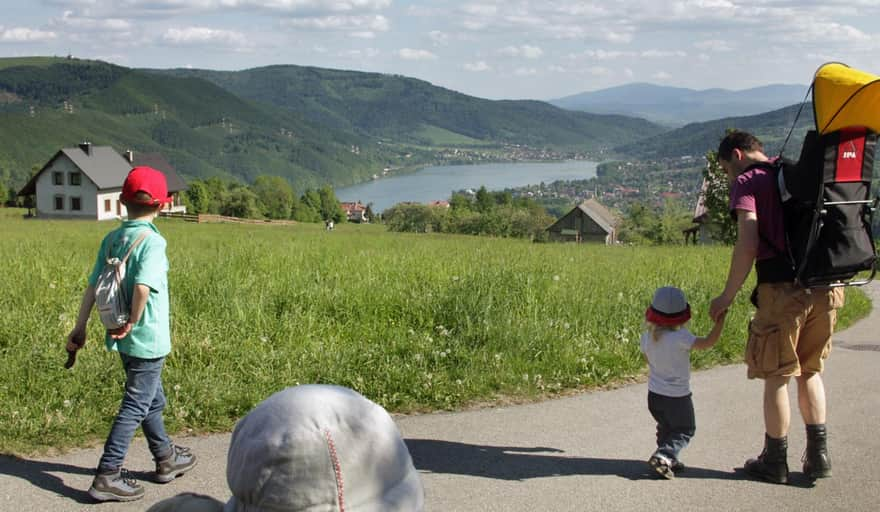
(177, 387)
(566, 325)
(52, 285)
(442, 354)
(455, 278)
(458, 381)
(417, 357)
(526, 377)
(264, 339)
(67, 403)
(498, 356)
(556, 278)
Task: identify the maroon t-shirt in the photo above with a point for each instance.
(755, 191)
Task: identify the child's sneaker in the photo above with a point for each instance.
(179, 462)
(116, 486)
(662, 466)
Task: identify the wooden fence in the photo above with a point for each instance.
(202, 218)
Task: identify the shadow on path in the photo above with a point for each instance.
(519, 463)
(39, 474)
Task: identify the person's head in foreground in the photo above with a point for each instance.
(318, 448)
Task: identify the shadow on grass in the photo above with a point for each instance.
(520, 463)
(39, 473)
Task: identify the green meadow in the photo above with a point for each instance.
(414, 322)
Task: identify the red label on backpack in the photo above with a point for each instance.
(850, 153)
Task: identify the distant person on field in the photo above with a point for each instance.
(790, 334)
(314, 448)
(667, 344)
(142, 343)
(329, 224)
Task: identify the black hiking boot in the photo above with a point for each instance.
(772, 465)
(117, 485)
(817, 464)
(662, 465)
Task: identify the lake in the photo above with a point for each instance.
(438, 182)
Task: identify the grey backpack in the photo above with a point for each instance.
(110, 300)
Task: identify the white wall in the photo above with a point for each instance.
(116, 208)
(47, 191)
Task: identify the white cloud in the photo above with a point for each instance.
(413, 54)
(714, 45)
(556, 69)
(438, 38)
(661, 76)
(525, 72)
(25, 35)
(375, 23)
(366, 53)
(203, 36)
(72, 20)
(477, 67)
(525, 51)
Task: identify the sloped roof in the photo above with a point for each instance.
(159, 162)
(107, 169)
(600, 214)
(592, 209)
(102, 165)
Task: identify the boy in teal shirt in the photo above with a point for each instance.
(142, 343)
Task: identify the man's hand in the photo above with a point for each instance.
(718, 307)
(118, 334)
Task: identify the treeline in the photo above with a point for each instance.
(269, 197)
(484, 213)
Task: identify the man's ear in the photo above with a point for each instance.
(737, 154)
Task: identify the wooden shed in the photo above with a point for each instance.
(586, 222)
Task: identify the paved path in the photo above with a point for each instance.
(581, 453)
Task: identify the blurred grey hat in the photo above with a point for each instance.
(669, 307)
(320, 448)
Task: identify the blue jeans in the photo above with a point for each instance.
(676, 424)
(142, 405)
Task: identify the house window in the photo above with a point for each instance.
(59, 202)
(75, 179)
(58, 178)
(108, 205)
(76, 204)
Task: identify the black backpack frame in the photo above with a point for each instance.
(828, 208)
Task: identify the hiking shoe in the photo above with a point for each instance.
(179, 462)
(662, 466)
(116, 486)
(677, 466)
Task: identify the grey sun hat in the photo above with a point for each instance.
(669, 307)
(320, 448)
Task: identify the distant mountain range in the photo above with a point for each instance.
(696, 139)
(313, 126)
(678, 106)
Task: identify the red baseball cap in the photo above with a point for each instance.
(148, 180)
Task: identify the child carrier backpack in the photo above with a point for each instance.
(113, 306)
(828, 208)
(826, 194)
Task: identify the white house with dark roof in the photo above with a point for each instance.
(85, 182)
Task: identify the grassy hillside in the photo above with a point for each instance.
(201, 128)
(698, 138)
(414, 322)
(399, 107)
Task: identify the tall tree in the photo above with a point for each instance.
(275, 195)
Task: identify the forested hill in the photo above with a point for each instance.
(50, 103)
(697, 138)
(401, 108)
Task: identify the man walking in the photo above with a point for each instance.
(790, 334)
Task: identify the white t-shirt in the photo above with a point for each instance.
(669, 362)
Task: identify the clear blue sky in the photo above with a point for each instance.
(514, 49)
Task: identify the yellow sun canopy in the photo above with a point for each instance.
(844, 96)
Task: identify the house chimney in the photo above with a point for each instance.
(129, 155)
(86, 147)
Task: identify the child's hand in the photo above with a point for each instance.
(118, 334)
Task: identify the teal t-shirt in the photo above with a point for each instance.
(147, 265)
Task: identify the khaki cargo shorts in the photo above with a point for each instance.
(791, 331)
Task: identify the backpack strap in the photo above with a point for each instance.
(137, 242)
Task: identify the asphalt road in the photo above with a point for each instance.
(580, 453)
